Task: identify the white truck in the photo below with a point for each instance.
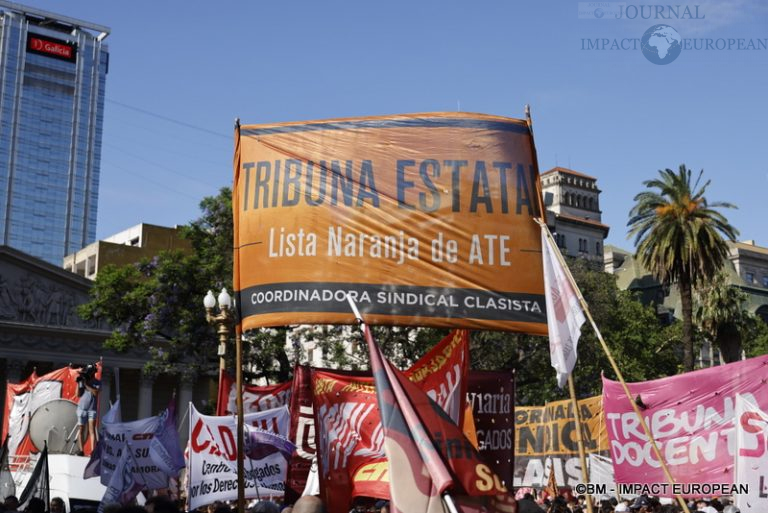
(66, 481)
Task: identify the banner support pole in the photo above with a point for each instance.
(238, 352)
(579, 440)
(616, 370)
(448, 501)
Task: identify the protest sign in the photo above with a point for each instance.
(424, 219)
(546, 438)
(692, 418)
(212, 470)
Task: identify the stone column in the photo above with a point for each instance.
(182, 417)
(13, 370)
(105, 395)
(145, 395)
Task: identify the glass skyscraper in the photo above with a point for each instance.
(52, 76)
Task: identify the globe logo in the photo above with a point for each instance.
(661, 44)
(599, 13)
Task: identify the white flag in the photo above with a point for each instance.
(564, 313)
(751, 456)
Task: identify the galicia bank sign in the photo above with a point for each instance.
(51, 47)
(621, 10)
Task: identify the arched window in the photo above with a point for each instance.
(762, 312)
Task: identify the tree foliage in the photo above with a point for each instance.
(679, 238)
(642, 347)
(721, 317)
(156, 305)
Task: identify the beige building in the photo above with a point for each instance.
(41, 330)
(747, 269)
(127, 247)
(572, 200)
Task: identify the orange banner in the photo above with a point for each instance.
(424, 219)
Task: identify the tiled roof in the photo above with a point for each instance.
(568, 171)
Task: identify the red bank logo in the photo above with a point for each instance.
(51, 47)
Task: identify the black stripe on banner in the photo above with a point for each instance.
(483, 124)
(388, 299)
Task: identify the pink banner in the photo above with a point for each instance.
(691, 417)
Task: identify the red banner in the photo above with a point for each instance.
(439, 371)
(23, 399)
(302, 433)
(427, 453)
(351, 457)
(492, 398)
(255, 398)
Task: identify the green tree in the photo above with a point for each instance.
(720, 315)
(679, 238)
(641, 346)
(755, 339)
(156, 305)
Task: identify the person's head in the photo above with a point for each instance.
(309, 504)
(11, 503)
(160, 504)
(528, 496)
(641, 504)
(265, 507)
(35, 505)
(131, 508)
(57, 505)
(731, 509)
(112, 507)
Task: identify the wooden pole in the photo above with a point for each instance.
(579, 441)
(238, 345)
(616, 370)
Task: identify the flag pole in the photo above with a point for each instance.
(616, 370)
(238, 339)
(579, 440)
(448, 500)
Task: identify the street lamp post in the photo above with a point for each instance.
(224, 321)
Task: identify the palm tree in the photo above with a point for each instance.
(721, 316)
(679, 238)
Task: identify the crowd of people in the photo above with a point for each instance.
(641, 504)
(313, 504)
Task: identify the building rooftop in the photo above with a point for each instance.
(59, 18)
(584, 220)
(568, 172)
(749, 245)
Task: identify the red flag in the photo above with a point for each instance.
(351, 457)
(428, 454)
(255, 398)
(226, 384)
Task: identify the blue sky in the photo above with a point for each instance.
(608, 113)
